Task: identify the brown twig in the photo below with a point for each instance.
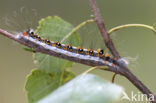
(104, 33)
(107, 40)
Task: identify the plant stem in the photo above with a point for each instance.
(131, 25)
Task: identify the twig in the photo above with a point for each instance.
(122, 70)
(104, 33)
(131, 25)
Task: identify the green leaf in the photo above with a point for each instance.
(39, 83)
(29, 49)
(54, 28)
(52, 71)
(85, 89)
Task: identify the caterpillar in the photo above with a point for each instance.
(69, 50)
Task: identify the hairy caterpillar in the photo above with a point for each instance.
(69, 50)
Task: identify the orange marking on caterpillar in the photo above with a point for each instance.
(106, 55)
(98, 52)
(66, 47)
(25, 33)
(88, 50)
(54, 44)
(114, 59)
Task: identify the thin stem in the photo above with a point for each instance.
(7, 34)
(113, 78)
(11, 36)
(76, 29)
(131, 25)
(93, 68)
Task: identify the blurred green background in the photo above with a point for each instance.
(16, 64)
